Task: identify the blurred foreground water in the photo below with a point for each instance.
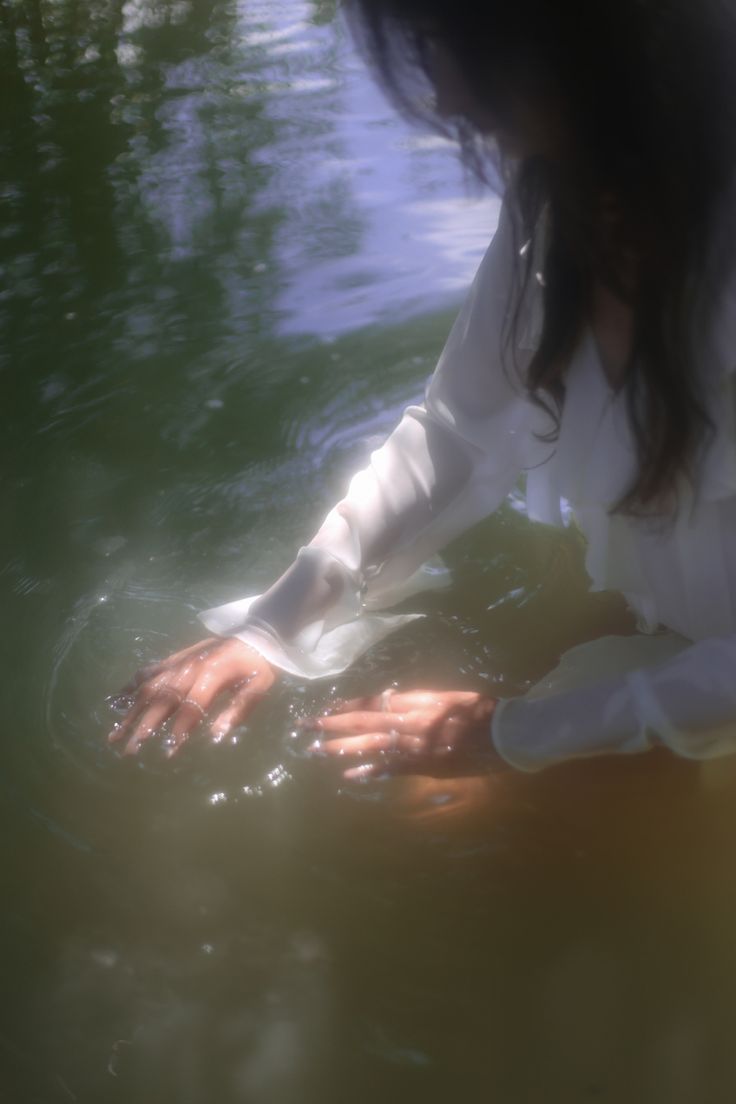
(226, 268)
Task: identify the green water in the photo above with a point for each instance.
(225, 268)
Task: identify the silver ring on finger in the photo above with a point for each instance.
(191, 701)
(393, 735)
(386, 700)
(170, 691)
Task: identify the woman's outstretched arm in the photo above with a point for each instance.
(686, 703)
(449, 463)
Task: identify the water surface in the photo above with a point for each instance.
(226, 268)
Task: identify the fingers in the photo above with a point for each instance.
(241, 705)
(406, 746)
(361, 773)
(403, 701)
(371, 742)
(151, 670)
(184, 687)
(366, 721)
(155, 702)
(148, 720)
(436, 726)
(198, 701)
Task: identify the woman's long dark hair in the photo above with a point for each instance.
(639, 196)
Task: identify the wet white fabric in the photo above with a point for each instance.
(625, 695)
(449, 463)
(453, 460)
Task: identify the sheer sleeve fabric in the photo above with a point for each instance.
(680, 575)
(686, 702)
(449, 463)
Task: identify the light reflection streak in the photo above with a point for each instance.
(380, 182)
(312, 149)
(274, 778)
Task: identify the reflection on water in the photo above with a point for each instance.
(238, 149)
(219, 250)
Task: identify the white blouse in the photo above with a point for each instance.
(452, 461)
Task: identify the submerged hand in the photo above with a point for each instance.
(417, 730)
(184, 687)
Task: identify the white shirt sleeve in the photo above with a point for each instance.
(686, 703)
(449, 463)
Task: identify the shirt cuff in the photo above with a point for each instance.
(502, 737)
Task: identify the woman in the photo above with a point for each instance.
(595, 353)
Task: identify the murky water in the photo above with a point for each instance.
(226, 267)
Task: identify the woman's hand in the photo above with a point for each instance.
(183, 688)
(423, 731)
